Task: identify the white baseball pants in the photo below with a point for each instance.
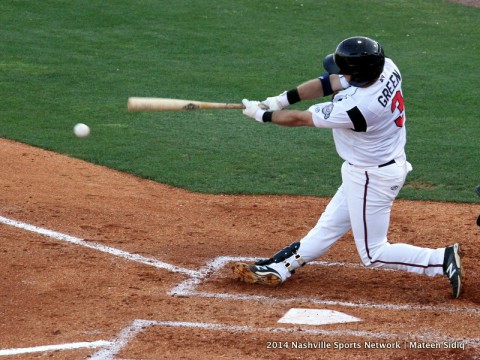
(363, 203)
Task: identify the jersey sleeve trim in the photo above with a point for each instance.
(358, 120)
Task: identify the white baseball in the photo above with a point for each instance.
(81, 130)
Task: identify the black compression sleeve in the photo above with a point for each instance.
(267, 116)
(293, 96)
(326, 85)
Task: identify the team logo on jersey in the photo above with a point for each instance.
(327, 110)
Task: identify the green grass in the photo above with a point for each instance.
(64, 62)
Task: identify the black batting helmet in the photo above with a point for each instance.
(360, 57)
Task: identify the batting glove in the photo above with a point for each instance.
(253, 110)
(278, 102)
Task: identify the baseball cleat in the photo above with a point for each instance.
(452, 268)
(255, 274)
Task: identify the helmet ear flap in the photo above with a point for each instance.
(330, 65)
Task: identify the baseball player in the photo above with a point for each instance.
(367, 118)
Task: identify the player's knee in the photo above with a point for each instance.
(370, 254)
(363, 256)
(367, 260)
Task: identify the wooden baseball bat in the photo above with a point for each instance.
(164, 104)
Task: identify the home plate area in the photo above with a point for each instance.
(250, 322)
(321, 323)
(315, 317)
(276, 323)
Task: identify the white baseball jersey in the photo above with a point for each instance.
(368, 123)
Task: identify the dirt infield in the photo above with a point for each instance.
(98, 264)
(474, 3)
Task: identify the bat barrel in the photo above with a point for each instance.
(164, 104)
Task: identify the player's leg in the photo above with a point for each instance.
(370, 197)
(332, 225)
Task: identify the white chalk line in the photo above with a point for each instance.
(44, 348)
(100, 247)
(129, 333)
(188, 288)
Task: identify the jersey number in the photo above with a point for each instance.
(398, 103)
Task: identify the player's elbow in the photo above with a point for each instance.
(300, 118)
(304, 118)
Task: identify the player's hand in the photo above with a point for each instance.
(278, 102)
(253, 110)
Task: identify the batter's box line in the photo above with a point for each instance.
(130, 332)
(109, 349)
(100, 247)
(189, 288)
(58, 347)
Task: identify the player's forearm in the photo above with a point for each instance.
(313, 89)
(292, 118)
